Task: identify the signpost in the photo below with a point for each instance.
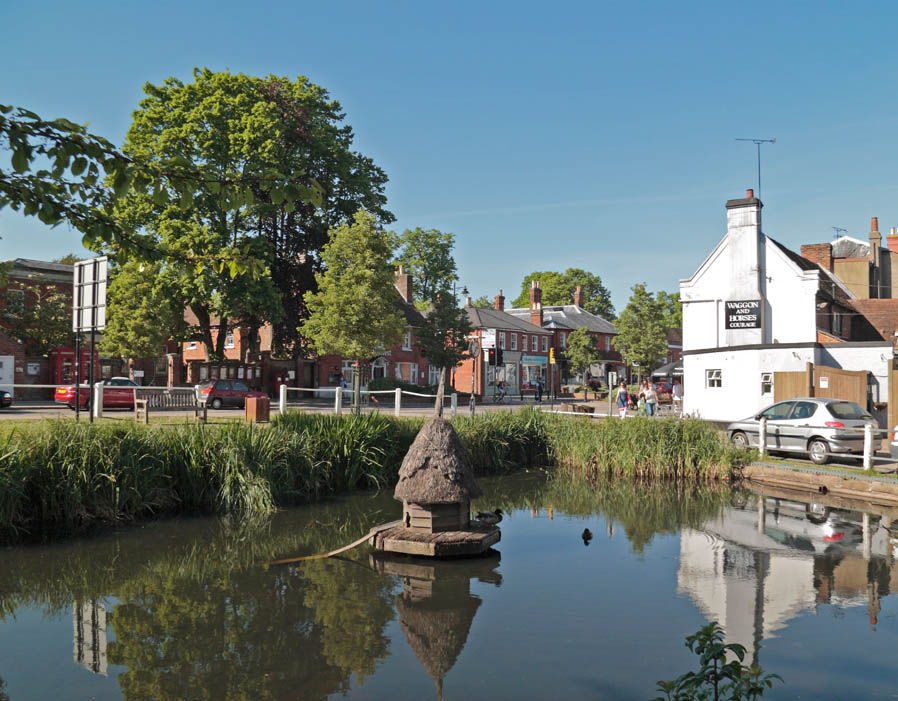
(474, 351)
(88, 314)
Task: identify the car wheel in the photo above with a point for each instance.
(818, 450)
(216, 403)
(739, 440)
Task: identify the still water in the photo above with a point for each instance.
(188, 608)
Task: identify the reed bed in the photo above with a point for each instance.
(68, 476)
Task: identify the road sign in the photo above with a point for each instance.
(551, 356)
(488, 338)
(89, 295)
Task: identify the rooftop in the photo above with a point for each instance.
(489, 318)
(568, 316)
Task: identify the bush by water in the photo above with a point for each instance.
(66, 475)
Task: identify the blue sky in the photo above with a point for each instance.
(543, 135)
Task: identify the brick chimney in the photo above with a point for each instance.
(403, 283)
(892, 240)
(875, 245)
(578, 296)
(499, 302)
(819, 253)
(536, 304)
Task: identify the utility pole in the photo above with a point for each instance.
(758, 142)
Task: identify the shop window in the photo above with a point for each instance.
(713, 378)
(534, 343)
(502, 340)
(766, 382)
(514, 341)
(545, 344)
(407, 342)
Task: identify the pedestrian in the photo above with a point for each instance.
(651, 400)
(623, 399)
(677, 395)
(539, 389)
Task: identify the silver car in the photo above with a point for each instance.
(813, 425)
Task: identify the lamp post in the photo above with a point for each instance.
(464, 291)
(474, 350)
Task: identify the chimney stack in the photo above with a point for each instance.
(819, 253)
(875, 245)
(499, 302)
(578, 296)
(749, 194)
(536, 304)
(892, 240)
(403, 283)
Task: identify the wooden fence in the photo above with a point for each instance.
(821, 381)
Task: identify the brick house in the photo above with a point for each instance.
(525, 347)
(562, 320)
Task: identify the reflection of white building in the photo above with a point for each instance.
(754, 570)
(89, 636)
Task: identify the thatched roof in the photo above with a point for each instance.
(437, 469)
(436, 633)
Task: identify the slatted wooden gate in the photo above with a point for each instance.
(822, 381)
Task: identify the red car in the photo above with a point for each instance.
(219, 393)
(118, 393)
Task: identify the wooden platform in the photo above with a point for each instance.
(399, 539)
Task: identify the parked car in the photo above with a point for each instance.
(5, 399)
(815, 425)
(118, 393)
(663, 386)
(219, 393)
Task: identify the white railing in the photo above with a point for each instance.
(868, 431)
(397, 393)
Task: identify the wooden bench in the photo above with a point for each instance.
(168, 401)
(579, 408)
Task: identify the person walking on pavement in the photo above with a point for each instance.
(651, 399)
(539, 389)
(623, 399)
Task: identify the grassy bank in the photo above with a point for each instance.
(67, 476)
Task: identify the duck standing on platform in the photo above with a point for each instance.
(587, 536)
(490, 518)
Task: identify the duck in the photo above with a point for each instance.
(489, 517)
(586, 535)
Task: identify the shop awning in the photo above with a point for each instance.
(674, 369)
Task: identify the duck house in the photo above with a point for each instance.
(436, 485)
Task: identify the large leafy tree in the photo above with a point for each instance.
(642, 330)
(142, 312)
(221, 125)
(426, 255)
(60, 173)
(313, 139)
(353, 313)
(558, 288)
(39, 317)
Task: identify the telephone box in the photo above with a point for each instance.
(62, 365)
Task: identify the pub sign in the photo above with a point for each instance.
(743, 314)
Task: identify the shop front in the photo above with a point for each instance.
(533, 366)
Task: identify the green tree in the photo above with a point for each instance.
(581, 351)
(314, 140)
(673, 310)
(642, 330)
(142, 312)
(353, 314)
(221, 126)
(39, 317)
(482, 301)
(442, 339)
(68, 259)
(558, 288)
(426, 255)
(60, 172)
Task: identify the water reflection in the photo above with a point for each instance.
(760, 564)
(436, 606)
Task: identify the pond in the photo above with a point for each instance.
(188, 608)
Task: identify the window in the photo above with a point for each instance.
(502, 340)
(407, 341)
(766, 382)
(563, 341)
(545, 344)
(413, 377)
(778, 411)
(240, 386)
(837, 323)
(607, 343)
(534, 343)
(433, 375)
(514, 341)
(229, 340)
(524, 342)
(803, 410)
(713, 378)
(204, 373)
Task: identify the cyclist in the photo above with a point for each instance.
(500, 391)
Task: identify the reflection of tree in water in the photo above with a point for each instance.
(436, 607)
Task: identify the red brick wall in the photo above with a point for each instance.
(819, 253)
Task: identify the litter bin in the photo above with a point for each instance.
(257, 409)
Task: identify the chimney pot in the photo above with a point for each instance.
(874, 224)
(749, 194)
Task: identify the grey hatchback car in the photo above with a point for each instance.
(813, 425)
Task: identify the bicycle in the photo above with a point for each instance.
(499, 394)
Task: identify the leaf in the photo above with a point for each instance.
(20, 160)
(79, 165)
(121, 182)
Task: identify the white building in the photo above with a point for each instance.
(753, 308)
